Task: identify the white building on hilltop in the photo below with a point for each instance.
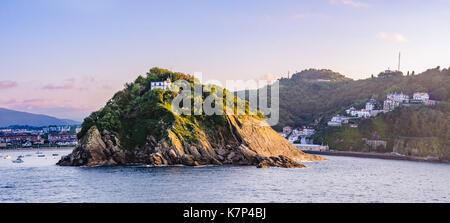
(164, 85)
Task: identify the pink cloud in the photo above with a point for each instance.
(65, 86)
(81, 84)
(38, 103)
(7, 84)
(396, 37)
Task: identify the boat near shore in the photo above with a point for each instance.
(18, 160)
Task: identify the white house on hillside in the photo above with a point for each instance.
(370, 105)
(390, 104)
(421, 96)
(402, 98)
(351, 111)
(164, 85)
(338, 121)
(363, 113)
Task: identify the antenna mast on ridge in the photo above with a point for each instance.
(399, 57)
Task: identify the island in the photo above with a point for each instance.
(138, 126)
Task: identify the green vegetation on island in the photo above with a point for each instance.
(137, 112)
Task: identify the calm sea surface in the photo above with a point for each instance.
(341, 179)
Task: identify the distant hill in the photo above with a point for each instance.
(303, 100)
(414, 130)
(11, 117)
(315, 75)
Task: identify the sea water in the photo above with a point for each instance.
(341, 179)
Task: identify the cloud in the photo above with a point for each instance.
(396, 37)
(84, 83)
(68, 84)
(352, 3)
(58, 87)
(49, 107)
(298, 16)
(270, 77)
(7, 84)
(40, 103)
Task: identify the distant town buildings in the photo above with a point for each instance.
(298, 133)
(389, 73)
(338, 121)
(400, 97)
(393, 101)
(367, 112)
(371, 104)
(21, 139)
(62, 138)
(27, 137)
(287, 130)
(390, 105)
(421, 96)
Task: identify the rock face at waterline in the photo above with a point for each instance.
(138, 127)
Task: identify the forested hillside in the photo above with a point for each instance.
(303, 100)
(11, 117)
(415, 130)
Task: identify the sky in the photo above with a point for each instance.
(66, 58)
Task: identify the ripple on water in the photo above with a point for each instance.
(342, 179)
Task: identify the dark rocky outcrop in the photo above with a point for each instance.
(246, 142)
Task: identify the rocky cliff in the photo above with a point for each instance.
(428, 147)
(138, 127)
(245, 142)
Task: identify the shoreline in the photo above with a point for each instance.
(35, 149)
(389, 156)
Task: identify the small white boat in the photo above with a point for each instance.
(55, 154)
(41, 155)
(8, 157)
(18, 160)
